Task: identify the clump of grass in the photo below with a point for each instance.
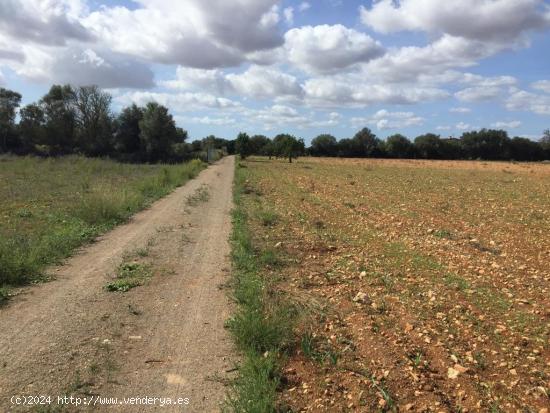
(128, 276)
(268, 218)
(314, 350)
(262, 327)
(202, 194)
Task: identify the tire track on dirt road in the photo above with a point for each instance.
(163, 339)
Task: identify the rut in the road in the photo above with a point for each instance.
(164, 339)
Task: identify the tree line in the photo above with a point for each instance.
(80, 120)
(486, 144)
(69, 120)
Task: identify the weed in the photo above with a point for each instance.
(201, 195)
(268, 218)
(129, 275)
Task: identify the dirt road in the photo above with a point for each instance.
(163, 339)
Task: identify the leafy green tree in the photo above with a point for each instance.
(398, 146)
(9, 102)
(523, 149)
(157, 132)
(32, 127)
(242, 145)
(94, 120)
(127, 133)
(366, 144)
(288, 146)
(60, 117)
(258, 144)
(324, 145)
(429, 146)
(486, 144)
(545, 143)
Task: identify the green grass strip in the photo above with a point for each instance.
(263, 324)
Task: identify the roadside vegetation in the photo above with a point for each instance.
(421, 285)
(263, 324)
(51, 206)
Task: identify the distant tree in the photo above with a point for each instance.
(288, 146)
(523, 149)
(545, 143)
(324, 145)
(9, 102)
(258, 144)
(398, 146)
(94, 120)
(242, 145)
(32, 127)
(60, 117)
(429, 146)
(451, 148)
(486, 144)
(157, 132)
(366, 144)
(127, 140)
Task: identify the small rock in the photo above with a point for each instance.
(278, 245)
(360, 297)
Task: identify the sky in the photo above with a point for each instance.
(300, 67)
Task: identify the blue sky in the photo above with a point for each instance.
(304, 67)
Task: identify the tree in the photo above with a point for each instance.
(429, 146)
(9, 102)
(94, 120)
(127, 133)
(60, 119)
(366, 144)
(324, 145)
(545, 143)
(288, 146)
(398, 146)
(157, 132)
(486, 144)
(32, 127)
(242, 145)
(523, 149)
(258, 144)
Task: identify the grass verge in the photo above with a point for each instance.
(50, 207)
(263, 324)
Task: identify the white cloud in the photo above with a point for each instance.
(325, 48)
(543, 85)
(288, 12)
(205, 120)
(443, 128)
(198, 79)
(520, 100)
(52, 22)
(384, 119)
(463, 126)
(353, 91)
(179, 102)
(487, 20)
(260, 82)
(506, 125)
(413, 63)
(192, 33)
(460, 110)
(304, 6)
(84, 67)
(478, 93)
